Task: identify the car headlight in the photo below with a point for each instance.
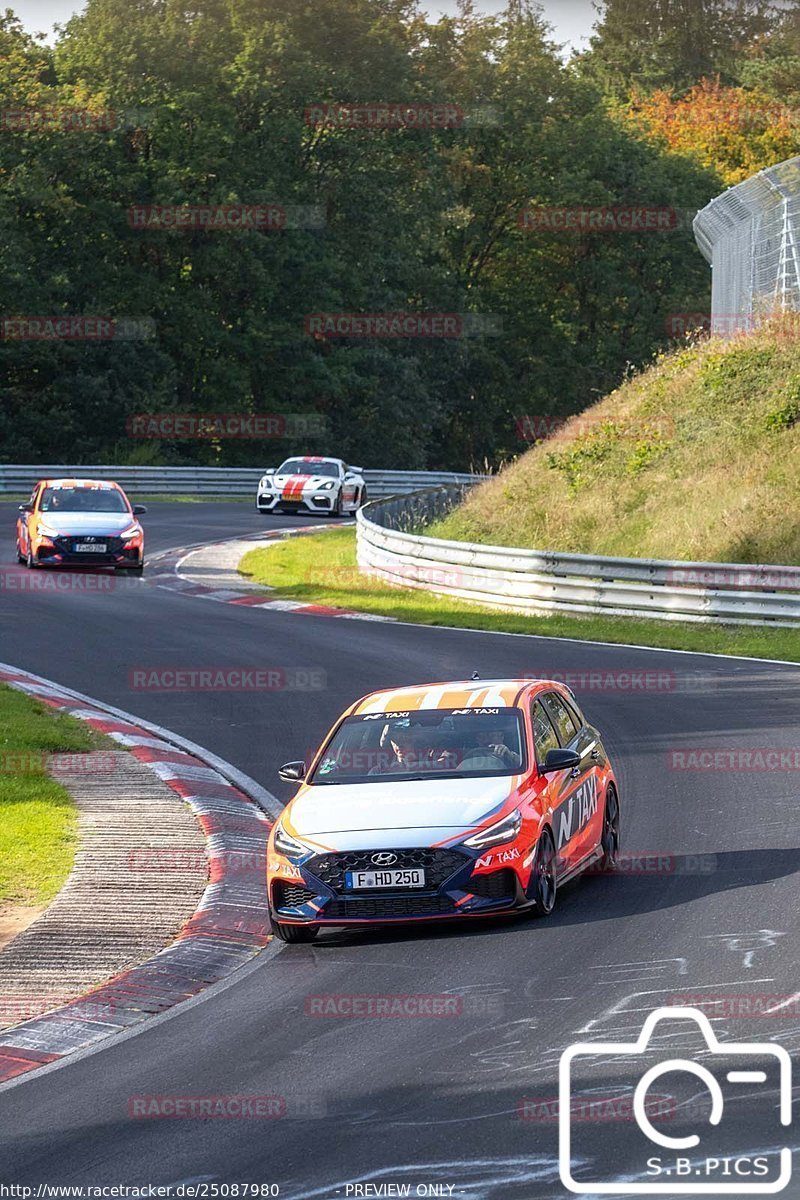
(325, 487)
(128, 533)
(49, 533)
(266, 482)
(287, 845)
(502, 831)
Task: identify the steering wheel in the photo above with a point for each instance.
(478, 752)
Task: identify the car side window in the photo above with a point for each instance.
(562, 718)
(575, 713)
(544, 736)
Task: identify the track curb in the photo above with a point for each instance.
(230, 925)
(169, 577)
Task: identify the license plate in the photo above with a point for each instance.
(412, 878)
(90, 547)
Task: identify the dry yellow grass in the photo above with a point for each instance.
(698, 457)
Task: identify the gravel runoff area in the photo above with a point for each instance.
(139, 873)
(229, 926)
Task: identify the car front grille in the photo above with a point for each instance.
(64, 544)
(357, 909)
(438, 865)
(290, 895)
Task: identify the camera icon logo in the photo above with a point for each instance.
(734, 1066)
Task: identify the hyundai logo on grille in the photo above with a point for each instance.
(385, 859)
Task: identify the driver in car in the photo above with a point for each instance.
(492, 740)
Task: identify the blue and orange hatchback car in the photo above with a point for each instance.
(80, 522)
(445, 800)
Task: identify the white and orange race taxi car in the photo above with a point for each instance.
(440, 801)
(80, 522)
(322, 485)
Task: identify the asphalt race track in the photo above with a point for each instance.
(425, 1101)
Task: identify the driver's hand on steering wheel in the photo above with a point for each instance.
(502, 751)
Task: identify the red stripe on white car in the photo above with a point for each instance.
(293, 487)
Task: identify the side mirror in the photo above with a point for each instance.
(559, 760)
(292, 772)
(25, 508)
(139, 509)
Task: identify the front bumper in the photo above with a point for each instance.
(314, 892)
(323, 502)
(63, 554)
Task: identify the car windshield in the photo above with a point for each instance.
(300, 466)
(83, 499)
(441, 744)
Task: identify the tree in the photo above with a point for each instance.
(213, 94)
(673, 44)
(776, 69)
(734, 131)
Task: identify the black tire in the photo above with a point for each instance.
(336, 511)
(20, 555)
(30, 561)
(543, 886)
(610, 841)
(362, 500)
(294, 933)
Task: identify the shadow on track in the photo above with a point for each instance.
(683, 879)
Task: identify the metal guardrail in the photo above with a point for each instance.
(206, 481)
(529, 581)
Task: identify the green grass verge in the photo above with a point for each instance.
(38, 821)
(321, 569)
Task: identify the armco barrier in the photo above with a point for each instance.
(206, 481)
(391, 547)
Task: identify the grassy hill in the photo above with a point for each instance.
(697, 457)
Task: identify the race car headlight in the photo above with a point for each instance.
(266, 482)
(324, 487)
(48, 533)
(502, 831)
(287, 845)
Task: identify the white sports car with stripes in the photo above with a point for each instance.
(323, 485)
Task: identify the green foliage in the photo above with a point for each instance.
(738, 364)
(213, 100)
(37, 817)
(788, 414)
(672, 44)
(582, 460)
(697, 458)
